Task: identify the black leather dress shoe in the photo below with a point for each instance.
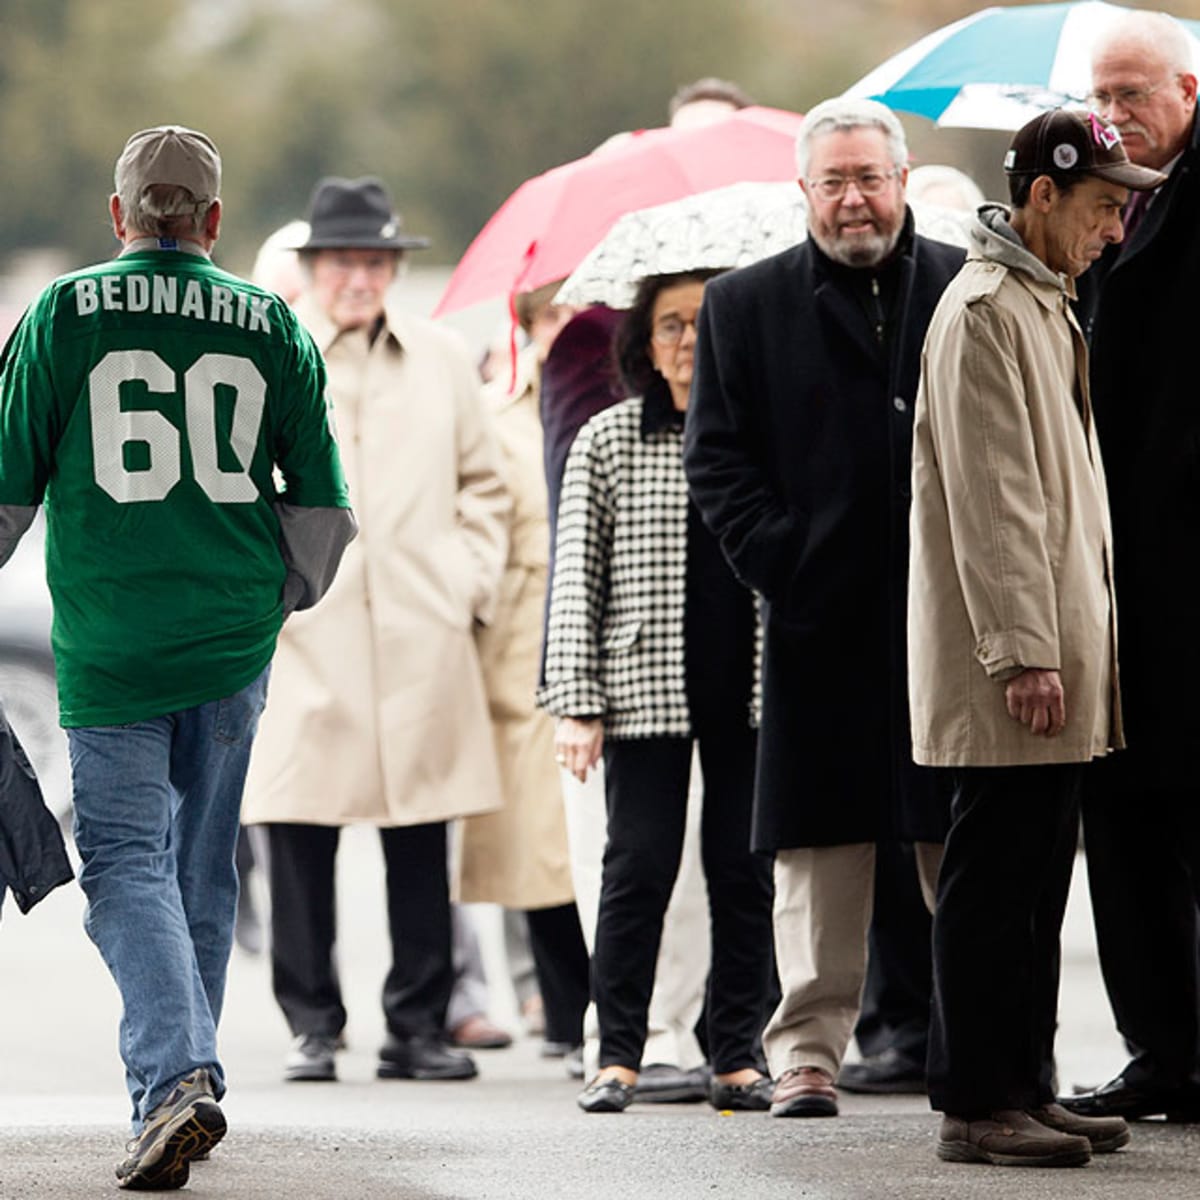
(1118, 1098)
(423, 1057)
(742, 1097)
(664, 1083)
(886, 1073)
(605, 1096)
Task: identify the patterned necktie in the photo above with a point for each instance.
(1135, 210)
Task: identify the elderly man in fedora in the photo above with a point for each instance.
(379, 714)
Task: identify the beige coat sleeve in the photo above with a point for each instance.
(483, 504)
(983, 440)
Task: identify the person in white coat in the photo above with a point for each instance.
(378, 712)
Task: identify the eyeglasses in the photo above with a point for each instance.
(869, 183)
(338, 262)
(669, 331)
(1127, 98)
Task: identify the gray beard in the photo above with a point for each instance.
(862, 252)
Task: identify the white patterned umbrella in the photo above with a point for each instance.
(728, 227)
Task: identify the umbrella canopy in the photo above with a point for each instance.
(550, 222)
(999, 67)
(728, 227)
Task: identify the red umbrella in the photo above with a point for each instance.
(544, 229)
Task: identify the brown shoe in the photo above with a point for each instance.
(1010, 1138)
(1105, 1133)
(478, 1033)
(804, 1092)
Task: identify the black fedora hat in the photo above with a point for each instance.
(356, 214)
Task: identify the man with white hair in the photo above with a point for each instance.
(1141, 811)
(149, 401)
(797, 451)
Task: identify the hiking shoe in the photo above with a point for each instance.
(187, 1124)
(1105, 1133)
(804, 1092)
(311, 1058)
(1010, 1138)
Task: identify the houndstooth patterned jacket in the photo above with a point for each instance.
(615, 640)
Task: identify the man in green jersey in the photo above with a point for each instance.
(151, 403)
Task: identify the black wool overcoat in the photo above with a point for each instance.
(798, 452)
(1138, 308)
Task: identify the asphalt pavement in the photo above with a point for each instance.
(512, 1134)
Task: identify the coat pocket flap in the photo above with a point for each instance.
(621, 637)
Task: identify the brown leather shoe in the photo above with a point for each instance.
(478, 1033)
(804, 1092)
(1010, 1138)
(1105, 1133)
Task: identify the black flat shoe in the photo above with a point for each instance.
(886, 1073)
(605, 1096)
(742, 1097)
(1118, 1098)
(665, 1083)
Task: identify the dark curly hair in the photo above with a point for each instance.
(631, 345)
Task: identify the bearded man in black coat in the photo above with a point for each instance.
(1141, 810)
(798, 453)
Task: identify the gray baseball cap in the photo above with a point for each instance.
(171, 155)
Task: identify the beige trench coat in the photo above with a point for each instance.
(1011, 545)
(518, 856)
(376, 711)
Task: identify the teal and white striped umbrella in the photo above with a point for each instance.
(999, 67)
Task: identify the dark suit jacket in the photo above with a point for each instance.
(797, 451)
(1139, 306)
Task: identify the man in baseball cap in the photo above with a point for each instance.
(1012, 634)
(173, 420)
(182, 167)
(1048, 161)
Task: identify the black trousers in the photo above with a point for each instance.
(303, 928)
(899, 983)
(560, 959)
(1143, 852)
(646, 791)
(1001, 896)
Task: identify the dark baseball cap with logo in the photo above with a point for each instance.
(1067, 142)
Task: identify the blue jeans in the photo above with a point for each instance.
(156, 823)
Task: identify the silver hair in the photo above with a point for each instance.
(1157, 32)
(843, 114)
(163, 210)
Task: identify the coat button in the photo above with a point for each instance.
(899, 404)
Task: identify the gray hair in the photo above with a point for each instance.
(843, 114)
(1156, 32)
(162, 210)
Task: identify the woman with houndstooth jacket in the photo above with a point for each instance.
(650, 648)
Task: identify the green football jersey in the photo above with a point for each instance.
(159, 407)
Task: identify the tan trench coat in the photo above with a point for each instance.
(518, 856)
(376, 711)
(1011, 545)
